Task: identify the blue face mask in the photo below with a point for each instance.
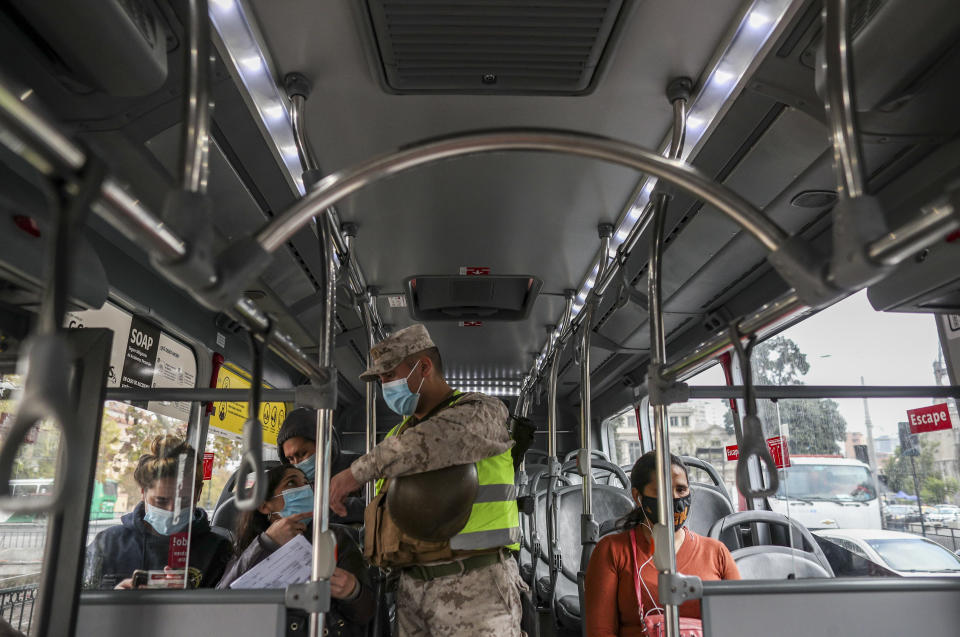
(163, 521)
(308, 466)
(398, 396)
(298, 500)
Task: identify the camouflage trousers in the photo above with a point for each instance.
(482, 602)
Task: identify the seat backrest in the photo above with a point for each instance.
(716, 481)
(609, 503)
(777, 562)
(707, 508)
(784, 531)
(226, 515)
(228, 488)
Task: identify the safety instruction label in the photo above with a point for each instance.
(142, 355)
(932, 418)
(228, 418)
(474, 270)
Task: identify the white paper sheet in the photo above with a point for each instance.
(289, 564)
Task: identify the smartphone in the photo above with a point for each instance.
(158, 579)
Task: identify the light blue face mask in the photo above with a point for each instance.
(298, 500)
(308, 466)
(398, 396)
(163, 521)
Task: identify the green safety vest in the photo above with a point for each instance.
(494, 520)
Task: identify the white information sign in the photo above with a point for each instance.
(142, 356)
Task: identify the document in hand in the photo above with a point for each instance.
(289, 564)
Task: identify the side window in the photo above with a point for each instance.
(225, 432)
(622, 438)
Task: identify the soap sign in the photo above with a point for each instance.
(926, 419)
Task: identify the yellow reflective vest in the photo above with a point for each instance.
(494, 520)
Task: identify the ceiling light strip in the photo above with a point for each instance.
(238, 41)
(760, 21)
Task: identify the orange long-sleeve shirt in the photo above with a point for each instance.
(611, 595)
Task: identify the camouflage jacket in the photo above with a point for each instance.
(472, 429)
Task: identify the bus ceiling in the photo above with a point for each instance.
(756, 123)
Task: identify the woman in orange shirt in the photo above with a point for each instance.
(614, 605)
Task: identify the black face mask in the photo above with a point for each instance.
(681, 509)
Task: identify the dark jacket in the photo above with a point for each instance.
(346, 617)
(120, 550)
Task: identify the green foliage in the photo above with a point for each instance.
(934, 488)
(815, 426)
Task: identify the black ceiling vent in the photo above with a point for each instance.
(493, 46)
(471, 298)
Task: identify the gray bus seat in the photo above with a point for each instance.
(226, 515)
(609, 504)
(777, 562)
(706, 508)
(784, 531)
(600, 470)
(716, 481)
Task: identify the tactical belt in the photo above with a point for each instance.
(426, 573)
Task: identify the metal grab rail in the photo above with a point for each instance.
(248, 498)
(840, 100)
(53, 154)
(665, 555)
(47, 361)
(340, 184)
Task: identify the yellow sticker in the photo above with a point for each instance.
(229, 417)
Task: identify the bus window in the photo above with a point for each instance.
(224, 437)
(844, 463)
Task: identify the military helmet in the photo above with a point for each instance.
(435, 505)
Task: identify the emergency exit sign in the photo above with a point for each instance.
(932, 418)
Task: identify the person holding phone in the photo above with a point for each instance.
(154, 534)
(286, 513)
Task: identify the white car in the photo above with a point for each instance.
(944, 514)
(905, 554)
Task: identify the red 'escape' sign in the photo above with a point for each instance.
(778, 449)
(932, 418)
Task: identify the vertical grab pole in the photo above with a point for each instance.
(196, 118)
(324, 435)
(665, 556)
(589, 531)
(553, 463)
(840, 99)
(371, 402)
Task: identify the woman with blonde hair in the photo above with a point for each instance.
(153, 536)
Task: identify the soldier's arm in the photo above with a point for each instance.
(469, 431)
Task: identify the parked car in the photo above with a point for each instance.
(901, 513)
(905, 554)
(943, 514)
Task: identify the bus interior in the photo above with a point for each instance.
(600, 209)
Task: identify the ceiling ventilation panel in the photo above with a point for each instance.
(471, 298)
(493, 46)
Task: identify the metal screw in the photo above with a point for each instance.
(489, 78)
(922, 255)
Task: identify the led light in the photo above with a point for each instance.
(695, 123)
(274, 111)
(223, 4)
(252, 63)
(722, 78)
(757, 19)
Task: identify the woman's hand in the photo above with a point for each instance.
(343, 584)
(285, 529)
(124, 585)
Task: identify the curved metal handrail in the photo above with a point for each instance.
(340, 184)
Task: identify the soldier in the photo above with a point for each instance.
(468, 584)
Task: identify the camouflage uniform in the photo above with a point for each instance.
(485, 601)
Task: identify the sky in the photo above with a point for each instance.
(850, 340)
